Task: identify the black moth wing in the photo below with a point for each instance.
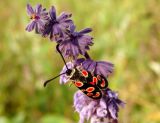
(102, 82)
(81, 82)
(97, 80)
(90, 90)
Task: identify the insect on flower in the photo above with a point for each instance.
(90, 84)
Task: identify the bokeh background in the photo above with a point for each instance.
(126, 32)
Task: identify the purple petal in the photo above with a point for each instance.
(103, 103)
(72, 28)
(101, 71)
(79, 61)
(74, 50)
(89, 65)
(85, 40)
(30, 26)
(56, 30)
(86, 30)
(103, 68)
(84, 111)
(101, 112)
(47, 29)
(120, 103)
(113, 109)
(40, 23)
(38, 9)
(52, 13)
(69, 49)
(92, 66)
(91, 108)
(82, 119)
(44, 15)
(63, 16)
(66, 24)
(112, 94)
(84, 43)
(107, 65)
(39, 26)
(37, 29)
(30, 10)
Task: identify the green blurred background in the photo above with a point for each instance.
(126, 32)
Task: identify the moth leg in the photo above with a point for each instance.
(70, 84)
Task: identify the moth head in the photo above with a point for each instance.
(70, 72)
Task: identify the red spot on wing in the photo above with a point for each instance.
(94, 81)
(78, 84)
(96, 95)
(90, 89)
(103, 83)
(84, 73)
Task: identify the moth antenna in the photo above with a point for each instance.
(46, 82)
(57, 47)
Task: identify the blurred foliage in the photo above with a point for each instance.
(125, 32)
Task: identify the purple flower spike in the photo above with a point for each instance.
(38, 18)
(98, 111)
(83, 72)
(77, 43)
(56, 26)
(98, 67)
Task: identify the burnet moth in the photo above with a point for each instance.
(89, 83)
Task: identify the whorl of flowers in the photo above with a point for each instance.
(72, 44)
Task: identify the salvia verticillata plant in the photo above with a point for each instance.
(95, 101)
